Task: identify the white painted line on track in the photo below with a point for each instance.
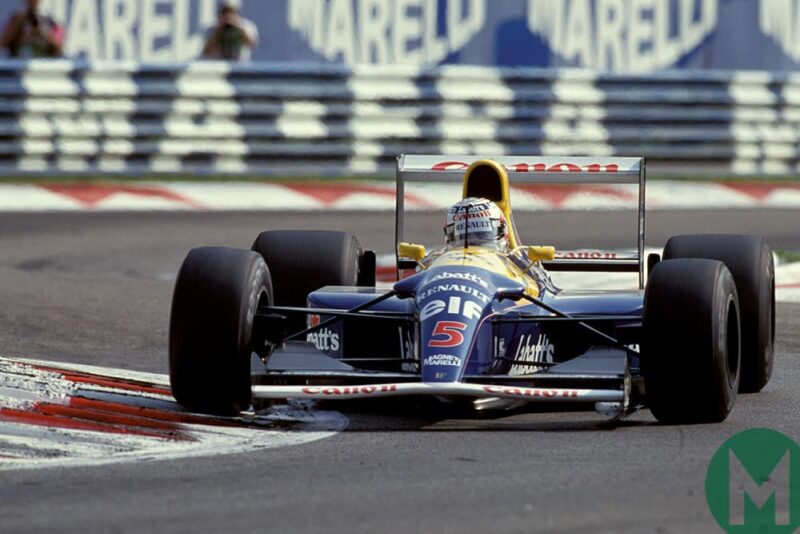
(56, 414)
(380, 196)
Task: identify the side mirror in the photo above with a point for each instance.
(411, 251)
(509, 293)
(652, 260)
(541, 253)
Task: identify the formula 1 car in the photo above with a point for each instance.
(301, 315)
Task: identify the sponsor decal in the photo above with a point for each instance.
(459, 288)
(534, 167)
(480, 212)
(499, 346)
(469, 309)
(408, 351)
(134, 30)
(778, 20)
(479, 224)
(460, 276)
(449, 334)
(477, 207)
(540, 351)
(529, 392)
(586, 255)
(324, 339)
(478, 232)
(349, 390)
(626, 36)
(386, 31)
(443, 359)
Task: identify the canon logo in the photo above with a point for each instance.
(350, 390)
(526, 392)
(586, 255)
(534, 167)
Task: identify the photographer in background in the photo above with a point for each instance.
(30, 34)
(232, 38)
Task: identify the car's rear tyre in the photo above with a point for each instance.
(749, 259)
(690, 348)
(216, 296)
(302, 261)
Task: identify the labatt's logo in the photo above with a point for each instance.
(459, 276)
(387, 31)
(539, 352)
(622, 35)
(323, 339)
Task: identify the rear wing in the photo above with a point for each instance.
(535, 169)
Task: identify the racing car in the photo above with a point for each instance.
(301, 316)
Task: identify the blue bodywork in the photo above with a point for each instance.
(461, 329)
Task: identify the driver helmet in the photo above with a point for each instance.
(476, 221)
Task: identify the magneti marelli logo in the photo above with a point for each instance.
(753, 483)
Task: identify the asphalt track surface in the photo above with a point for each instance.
(96, 289)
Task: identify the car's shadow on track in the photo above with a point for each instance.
(434, 416)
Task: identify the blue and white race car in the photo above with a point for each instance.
(301, 315)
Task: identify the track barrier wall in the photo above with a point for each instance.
(208, 118)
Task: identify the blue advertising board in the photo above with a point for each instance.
(607, 35)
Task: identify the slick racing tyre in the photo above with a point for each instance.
(749, 259)
(210, 334)
(690, 348)
(302, 261)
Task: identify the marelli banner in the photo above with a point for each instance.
(605, 35)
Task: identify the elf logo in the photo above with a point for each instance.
(469, 309)
(540, 351)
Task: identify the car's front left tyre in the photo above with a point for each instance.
(691, 347)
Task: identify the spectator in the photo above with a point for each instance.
(29, 34)
(232, 38)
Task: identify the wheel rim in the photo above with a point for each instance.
(732, 341)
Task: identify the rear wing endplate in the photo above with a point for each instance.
(534, 169)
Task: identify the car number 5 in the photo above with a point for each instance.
(449, 334)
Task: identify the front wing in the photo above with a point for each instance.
(437, 388)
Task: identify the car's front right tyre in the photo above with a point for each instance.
(749, 259)
(217, 293)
